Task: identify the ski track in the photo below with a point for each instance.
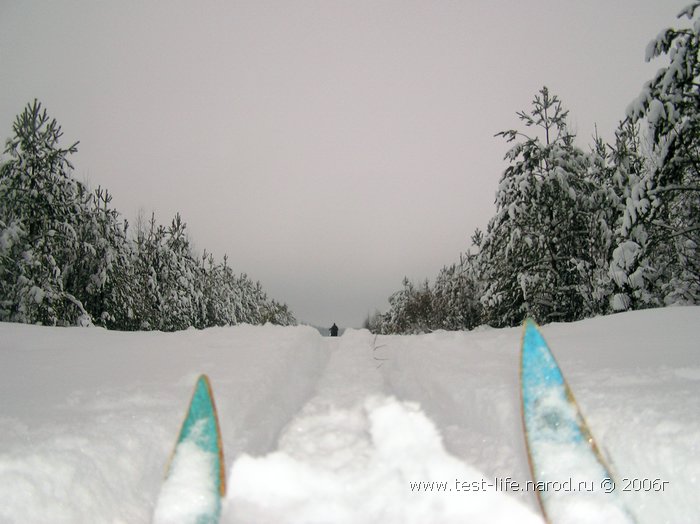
(351, 454)
(481, 421)
(335, 429)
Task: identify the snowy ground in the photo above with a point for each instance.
(338, 430)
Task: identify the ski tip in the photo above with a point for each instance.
(203, 381)
(203, 405)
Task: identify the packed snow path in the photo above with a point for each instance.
(338, 429)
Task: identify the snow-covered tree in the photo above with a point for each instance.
(102, 276)
(456, 293)
(664, 202)
(630, 267)
(42, 209)
(178, 279)
(229, 306)
(537, 249)
(146, 268)
(279, 314)
(411, 310)
(213, 292)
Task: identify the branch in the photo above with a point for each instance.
(674, 187)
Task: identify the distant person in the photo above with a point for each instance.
(334, 330)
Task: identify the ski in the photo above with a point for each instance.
(572, 479)
(195, 480)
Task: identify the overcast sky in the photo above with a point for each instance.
(329, 147)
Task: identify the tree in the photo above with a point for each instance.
(102, 276)
(456, 292)
(595, 284)
(664, 204)
(538, 244)
(631, 266)
(42, 209)
(399, 318)
(179, 280)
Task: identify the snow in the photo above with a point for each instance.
(620, 301)
(9, 235)
(656, 112)
(351, 429)
(189, 491)
(37, 294)
(624, 257)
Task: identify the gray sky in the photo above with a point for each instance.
(330, 148)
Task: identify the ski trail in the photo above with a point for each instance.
(352, 453)
(262, 385)
(480, 419)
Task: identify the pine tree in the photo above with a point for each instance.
(42, 209)
(180, 293)
(537, 245)
(147, 267)
(102, 276)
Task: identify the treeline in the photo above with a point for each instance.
(582, 233)
(67, 257)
